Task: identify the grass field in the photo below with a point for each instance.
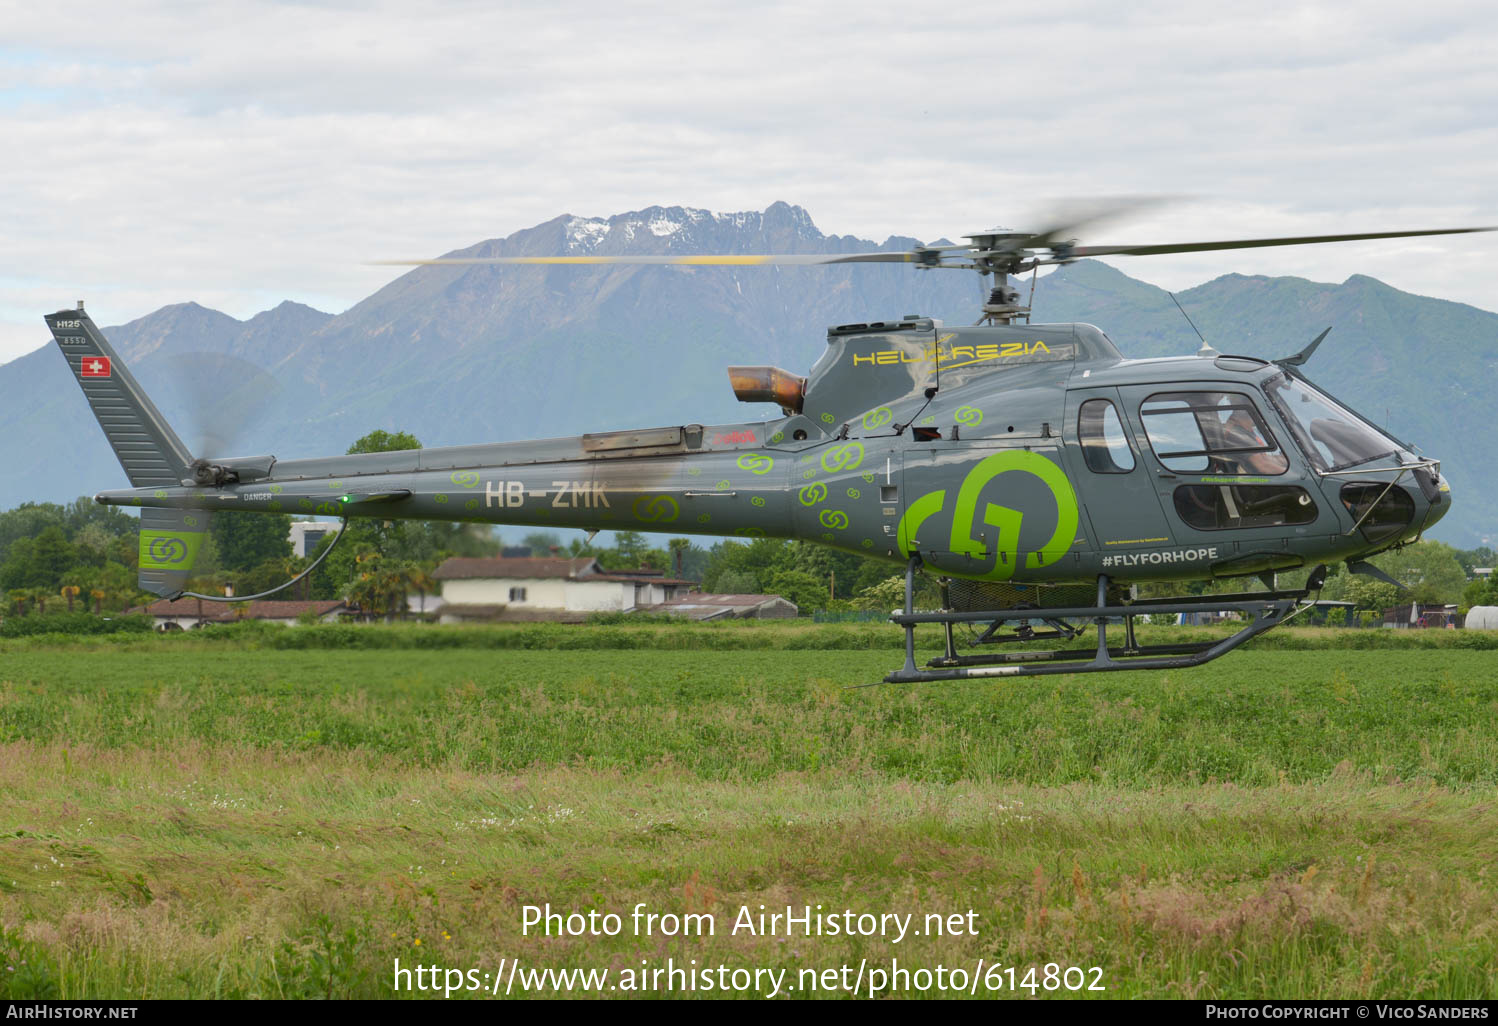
(230, 817)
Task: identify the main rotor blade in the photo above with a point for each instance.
(689, 260)
(1067, 218)
(1200, 247)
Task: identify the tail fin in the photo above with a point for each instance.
(145, 444)
(147, 447)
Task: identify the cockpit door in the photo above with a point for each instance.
(1115, 482)
(1231, 485)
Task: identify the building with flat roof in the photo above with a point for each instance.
(698, 606)
(306, 535)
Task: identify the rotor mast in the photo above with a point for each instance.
(998, 253)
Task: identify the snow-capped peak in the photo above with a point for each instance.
(584, 233)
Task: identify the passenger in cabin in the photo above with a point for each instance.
(1240, 432)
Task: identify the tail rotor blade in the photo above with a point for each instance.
(221, 396)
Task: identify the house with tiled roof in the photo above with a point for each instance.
(186, 613)
(547, 588)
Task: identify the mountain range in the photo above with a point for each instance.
(490, 353)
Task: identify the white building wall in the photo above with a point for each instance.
(491, 591)
(578, 596)
(599, 596)
(298, 534)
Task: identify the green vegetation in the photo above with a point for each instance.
(214, 815)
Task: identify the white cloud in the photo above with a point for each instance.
(245, 152)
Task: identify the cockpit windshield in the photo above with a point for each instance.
(1334, 437)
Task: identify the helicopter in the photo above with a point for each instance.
(1038, 474)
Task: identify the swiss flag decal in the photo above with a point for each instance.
(94, 367)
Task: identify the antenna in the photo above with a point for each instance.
(1205, 350)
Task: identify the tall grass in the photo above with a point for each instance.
(219, 818)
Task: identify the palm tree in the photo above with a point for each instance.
(20, 596)
(419, 578)
(97, 595)
(293, 565)
(366, 593)
(392, 583)
(70, 592)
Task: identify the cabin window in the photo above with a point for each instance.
(1105, 446)
(1210, 433)
(517, 594)
(1333, 436)
(1221, 507)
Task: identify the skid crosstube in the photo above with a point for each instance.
(1266, 610)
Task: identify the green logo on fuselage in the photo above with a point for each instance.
(963, 541)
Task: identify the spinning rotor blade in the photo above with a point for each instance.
(729, 259)
(1067, 218)
(1199, 247)
(221, 396)
(994, 252)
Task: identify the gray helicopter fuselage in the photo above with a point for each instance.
(1023, 453)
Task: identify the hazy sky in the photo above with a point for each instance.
(243, 152)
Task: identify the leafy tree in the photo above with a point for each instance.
(1481, 593)
(541, 542)
(27, 521)
(763, 558)
(753, 561)
(54, 555)
(398, 542)
(45, 547)
(1429, 571)
(247, 540)
(1471, 559)
(1363, 591)
(39, 562)
(631, 548)
(20, 571)
(385, 441)
(736, 582)
(889, 593)
(800, 587)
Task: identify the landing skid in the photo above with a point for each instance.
(1264, 610)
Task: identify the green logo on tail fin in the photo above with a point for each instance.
(169, 550)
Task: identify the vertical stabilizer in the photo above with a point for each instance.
(146, 446)
(144, 442)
